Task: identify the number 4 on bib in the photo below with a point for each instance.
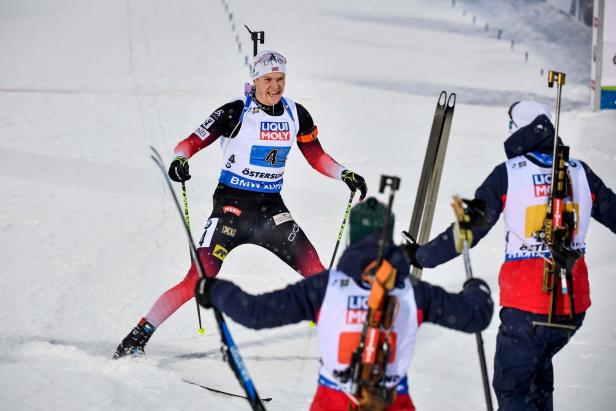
(272, 156)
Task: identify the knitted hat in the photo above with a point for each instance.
(368, 217)
(522, 113)
(268, 61)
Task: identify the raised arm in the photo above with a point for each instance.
(493, 191)
(292, 304)
(469, 310)
(309, 145)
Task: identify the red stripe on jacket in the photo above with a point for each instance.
(521, 282)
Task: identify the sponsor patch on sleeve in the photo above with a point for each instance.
(202, 132)
(208, 123)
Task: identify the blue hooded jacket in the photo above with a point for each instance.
(532, 141)
(469, 310)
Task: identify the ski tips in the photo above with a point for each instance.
(442, 98)
(444, 101)
(451, 101)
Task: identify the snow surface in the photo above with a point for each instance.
(90, 238)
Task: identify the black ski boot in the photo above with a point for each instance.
(134, 343)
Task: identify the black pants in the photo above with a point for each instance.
(244, 217)
(523, 372)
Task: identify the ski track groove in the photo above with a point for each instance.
(466, 95)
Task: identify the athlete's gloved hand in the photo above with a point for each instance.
(565, 257)
(469, 214)
(203, 291)
(355, 182)
(477, 294)
(476, 210)
(476, 284)
(178, 170)
(410, 248)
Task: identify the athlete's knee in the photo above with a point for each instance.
(309, 263)
(209, 263)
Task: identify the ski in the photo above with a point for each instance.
(429, 181)
(228, 346)
(230, 394)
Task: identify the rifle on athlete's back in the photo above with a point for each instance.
(559, 224)
(369, 361)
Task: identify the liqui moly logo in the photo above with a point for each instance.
(357, 309)
(275, 131)
(541, 184)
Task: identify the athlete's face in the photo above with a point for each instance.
(269, 88)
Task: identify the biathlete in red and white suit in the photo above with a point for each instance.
(337, 301)
(258, 134)
(519, 188)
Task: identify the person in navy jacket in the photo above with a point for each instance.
(336, 299)
(518, 189)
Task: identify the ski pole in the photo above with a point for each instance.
(466, 236)
(228, 345)
(201, 330)
(347, 211)
(342, 226)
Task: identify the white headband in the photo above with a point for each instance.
(268, 61)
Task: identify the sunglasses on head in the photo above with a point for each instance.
(271, 58)
(512, 123)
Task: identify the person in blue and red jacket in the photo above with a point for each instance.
(257, 134)
(337, 301)
(518, 189)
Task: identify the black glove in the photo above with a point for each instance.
(203, 291)
(476, 283)
(178, 170)
(355, 182)
(564, 257)
(476, 210)
(410, 249)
